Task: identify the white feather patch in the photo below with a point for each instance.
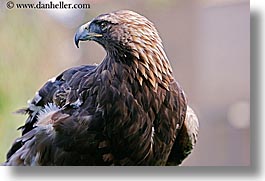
(52, 79)
(37, 97)
(77, 103)
(192, 124)
(44, 115)
(152, 136)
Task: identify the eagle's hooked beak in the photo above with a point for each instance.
(84, 33)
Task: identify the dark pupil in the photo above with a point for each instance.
(103, 25)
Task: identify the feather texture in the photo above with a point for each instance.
(128, 110)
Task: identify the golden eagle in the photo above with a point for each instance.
(128, 110)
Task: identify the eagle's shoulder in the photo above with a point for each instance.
(45, 100)
(47, 93)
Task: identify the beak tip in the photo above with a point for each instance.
(76, 41)
(77, 45)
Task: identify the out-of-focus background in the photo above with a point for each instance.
(207, 42)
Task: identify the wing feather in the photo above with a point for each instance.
(40, 104)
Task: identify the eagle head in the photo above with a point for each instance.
(129, 36)
(122, 30)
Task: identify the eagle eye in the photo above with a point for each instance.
(103, 25)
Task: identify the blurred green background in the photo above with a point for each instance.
(207, 42)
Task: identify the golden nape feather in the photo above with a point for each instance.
(128, 110)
